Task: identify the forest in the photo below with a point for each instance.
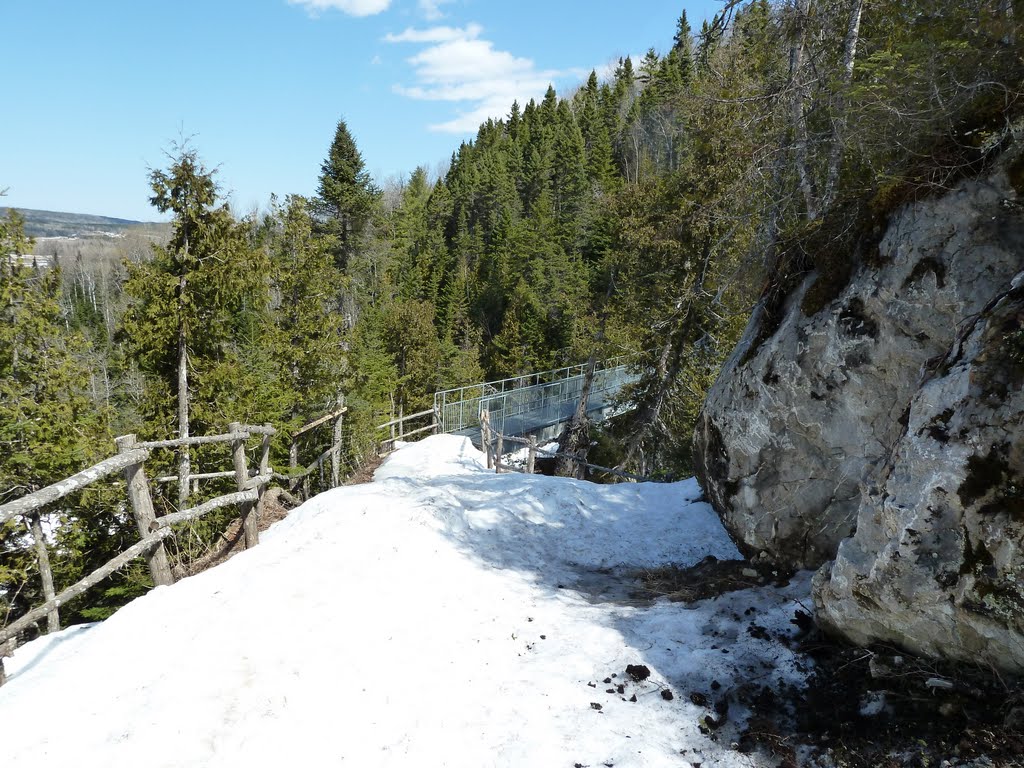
(648, 213)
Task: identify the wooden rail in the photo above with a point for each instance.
(398, 431)
(317, 422)
(297, 477)
(130, 460)
(76, 482)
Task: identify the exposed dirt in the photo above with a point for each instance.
(879, 706)
(709, 578)
(365, 472)
(873, 707)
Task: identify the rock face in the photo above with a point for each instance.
(797, 423)
(937, 562)
(886, 431)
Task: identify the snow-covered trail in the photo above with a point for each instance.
(441, 615)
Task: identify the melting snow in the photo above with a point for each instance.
(439, 616)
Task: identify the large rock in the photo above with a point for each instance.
(937, 562)
(798, 421)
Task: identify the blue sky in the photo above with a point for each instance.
(95, 93)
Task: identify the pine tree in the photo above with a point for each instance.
(308, 341)
(597, 141)
(568, 175)
(346, 198)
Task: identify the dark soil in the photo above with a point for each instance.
(711, 577)
(232, 540)
(365, 472)
(276, 506)
(882, 708)
(875, 707)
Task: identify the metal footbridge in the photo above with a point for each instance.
(536, 403)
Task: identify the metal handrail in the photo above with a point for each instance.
(545, 392)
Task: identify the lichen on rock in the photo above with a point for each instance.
(937, 562)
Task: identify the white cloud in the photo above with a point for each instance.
(431, 9)
(351, 7)
(460, 67)
(435, 34)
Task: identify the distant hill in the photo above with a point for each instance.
(57, 224)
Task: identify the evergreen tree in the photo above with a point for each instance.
(189, 305)
(49, 427)
(308, 341)
(346, 198)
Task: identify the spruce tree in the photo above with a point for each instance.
(347, 198)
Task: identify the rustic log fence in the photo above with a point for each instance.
(298, 477)
(494, 449)
(250, 485)
(397, 427)
(130, 460)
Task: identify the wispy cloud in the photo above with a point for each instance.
(351, 7)
(461, 67)
(431, 9)
(435, 34)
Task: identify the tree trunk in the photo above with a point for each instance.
(574, 442)
(839, 120)
(798, 117)
(670, 363)
(184, 456)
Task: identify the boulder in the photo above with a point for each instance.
(937, 561)
(803, 414)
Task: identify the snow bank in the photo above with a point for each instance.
(441, 615)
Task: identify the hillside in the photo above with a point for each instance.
(40, 224)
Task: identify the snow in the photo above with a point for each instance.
(442, 615)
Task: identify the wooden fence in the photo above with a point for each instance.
(131, 460)
(494, 447)
(429, 422)
(299, 477)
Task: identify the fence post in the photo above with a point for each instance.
(145, 518)
(392, 419)
(531, 456)
(437, 419)
(250, 524)
(45, 573)
(485, 436)
(499, 454)
(293, 465)
(265, 453)
(6, 649)
(264, 469)
(336, 448)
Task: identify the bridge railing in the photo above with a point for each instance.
(544, 395)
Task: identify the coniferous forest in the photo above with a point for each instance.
(647, 213)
